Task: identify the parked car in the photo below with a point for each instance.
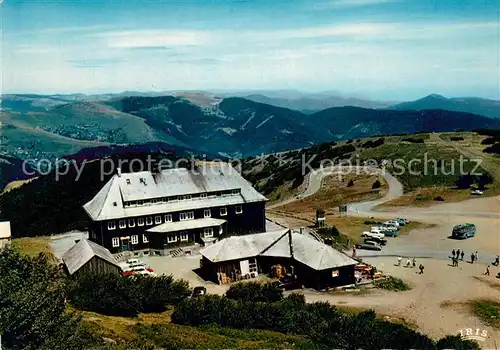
(368, 245)
(139, 270)
(402, 221)
(464, 231)
(375, 234)
(391, 233)
(476, 192)
(199, 291)
(392, 223)
(135, 262)
(380, 241)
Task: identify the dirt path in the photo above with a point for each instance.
(424, 304)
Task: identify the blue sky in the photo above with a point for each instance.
(382, 49)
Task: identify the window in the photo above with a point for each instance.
(252, 264)
(223, 211)
(94, 236)
(239, 209)
(203, 195)
(186, 216)
(131, 223)
(111, 225)
(235, 191)
(149, 220)
(115, 242)
(164, 200)
(128, 181)
(140, 222)
(140, 202)
(208, 232)
(168, 218)
(172, 238)
(145, 239)
(122, 223)
(157, 219)
(184, 236)
(135, 239)
(207, 213)
(220, 230)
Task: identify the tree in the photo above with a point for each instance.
(376, 185)
(32, 305)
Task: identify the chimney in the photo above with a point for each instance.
(119, 171)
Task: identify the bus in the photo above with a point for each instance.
(463, 231)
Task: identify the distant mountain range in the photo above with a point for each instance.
(475, 105)
(35, 126)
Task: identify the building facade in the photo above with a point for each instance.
(314, 263)
(157, 212)
(5, 234)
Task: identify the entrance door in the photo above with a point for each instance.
(125, 244)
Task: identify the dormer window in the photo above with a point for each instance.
(203, 195)
(115, 204)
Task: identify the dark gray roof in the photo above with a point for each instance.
(79, 254)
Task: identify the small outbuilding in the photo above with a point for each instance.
(314, 263)
(89, 257)
(5, 234)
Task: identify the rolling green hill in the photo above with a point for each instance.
(232, 127)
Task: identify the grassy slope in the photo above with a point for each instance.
(156, 331)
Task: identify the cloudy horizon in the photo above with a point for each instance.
(381, 49)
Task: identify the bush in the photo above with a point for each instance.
(112, 294)
(350, 183)
(393, 284)
(376, 185)
(320, 321)
(255, 291)
(439, 199)
(456, 138)
(495, 149)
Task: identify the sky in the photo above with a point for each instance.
(379, 49)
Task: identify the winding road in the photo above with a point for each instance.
(484, 212)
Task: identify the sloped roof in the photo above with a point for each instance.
(305, 249)
(240, 247)
(212, 177)
(5, 229)
(79, 254)
(186, 225)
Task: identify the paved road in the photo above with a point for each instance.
(315, 178)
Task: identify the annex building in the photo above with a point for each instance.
(314, 263)
(156, 212)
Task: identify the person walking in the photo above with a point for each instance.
(462, 255)
(458, 253)
(453, 253)
(421, 268)
(476, 257)
(487, 273)
(399, 260)
(408, 262)
(472, 256)
(414, 262)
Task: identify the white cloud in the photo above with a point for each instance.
(350, 3)
(153, 38)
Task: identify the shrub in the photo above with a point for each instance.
(376, 185)
(490, 140)
(320, 321)
(439, 198)
(350, 183)
(255, 291)
(112, 294)
(456, 138)
(392, 284)
(413, 140)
